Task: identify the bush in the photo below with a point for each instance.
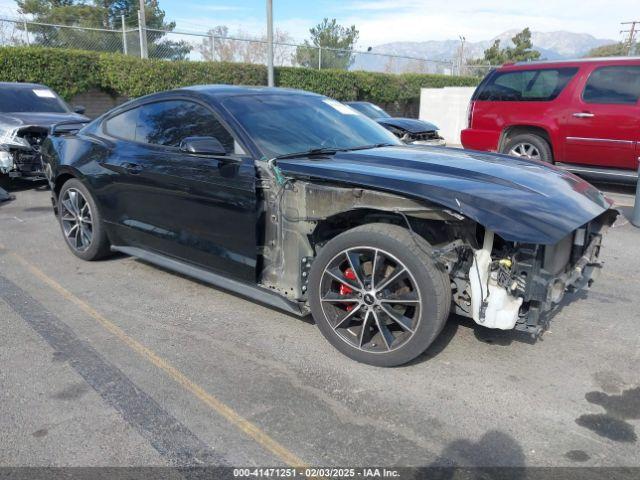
(70, 72)
(133, 77)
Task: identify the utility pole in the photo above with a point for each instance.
(461, 64)
(632, 35)
(269, 43)
(142, 28)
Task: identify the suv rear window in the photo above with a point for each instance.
(615, 84)
(541, 85)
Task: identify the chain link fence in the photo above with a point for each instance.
(179, 45)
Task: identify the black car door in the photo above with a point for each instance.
(198, 208)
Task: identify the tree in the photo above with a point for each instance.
(612, 50)
(522, 51)
(102, 14)
(11, 34)
(336, 42)
(494, 55)
(243, 48)
(224, 49)
(282, 48)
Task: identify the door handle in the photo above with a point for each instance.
(132, 168)
(583, 115)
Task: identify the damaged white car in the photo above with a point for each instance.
(28, 111)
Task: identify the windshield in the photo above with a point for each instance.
(370, 110)
(25, 99)
(285, 123)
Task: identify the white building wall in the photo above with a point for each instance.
(447, 108)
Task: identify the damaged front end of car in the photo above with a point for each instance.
(501, 275)
(499, 284)
(20, 151)
(428, 137)
(507, 285)
(413, 132)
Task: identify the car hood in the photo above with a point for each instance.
(521, 200)
(39, 119)
(411, 125)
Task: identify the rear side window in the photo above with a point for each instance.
(615, 84)
(123, 125)
(168, 123)
(541, 85)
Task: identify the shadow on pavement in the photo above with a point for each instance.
(19, 185)
(493, 449)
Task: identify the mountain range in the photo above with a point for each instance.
(551, 45)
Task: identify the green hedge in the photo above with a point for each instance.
(70, 72)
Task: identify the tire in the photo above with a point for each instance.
(529, 142)
(5, 181)
(97, 246)
(425, 287)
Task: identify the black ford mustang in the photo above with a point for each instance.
(295, 200)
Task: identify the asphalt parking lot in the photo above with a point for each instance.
(121, 363)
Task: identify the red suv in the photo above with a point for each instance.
(583, 114)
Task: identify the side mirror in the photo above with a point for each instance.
(79, 109)
(202, 146)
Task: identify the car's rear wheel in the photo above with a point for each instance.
(377, 296)
(81, 222)
(529, 146)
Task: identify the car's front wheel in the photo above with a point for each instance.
(81, 222)
(377, 295)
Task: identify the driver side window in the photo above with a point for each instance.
(169, 122)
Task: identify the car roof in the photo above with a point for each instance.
(231, 90)
(21, 85)
(213, 93)
(571, 62)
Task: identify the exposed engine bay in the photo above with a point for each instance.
(20, 152)
(499, 284)
(510, 285)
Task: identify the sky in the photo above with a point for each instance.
(382, 21)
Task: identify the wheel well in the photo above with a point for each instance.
(510, 132)
(60, 181)
(329, 227)
(434, 231)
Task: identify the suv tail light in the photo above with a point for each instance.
(470, 113)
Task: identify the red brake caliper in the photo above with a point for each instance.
(349, 274)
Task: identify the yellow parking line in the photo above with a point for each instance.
(224, 410)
